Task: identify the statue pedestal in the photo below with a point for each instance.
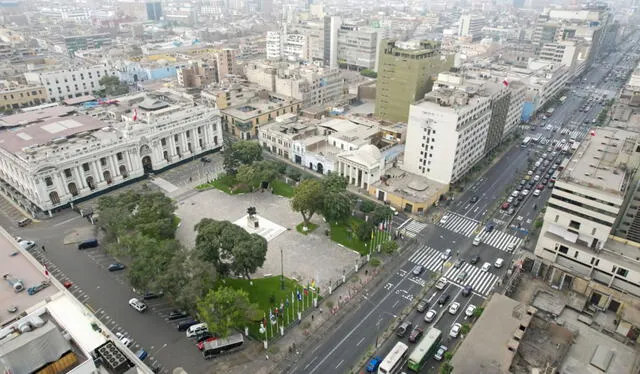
(253, 222)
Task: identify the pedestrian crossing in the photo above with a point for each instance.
(460, 224)
(412, 229)
(482, 282)
(577, 134)
(500, 240)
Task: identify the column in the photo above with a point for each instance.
(59, 178)
(129, 162)
(80, 179)
(185, 141)
(172, 147)
(114, 162)
(97, 171)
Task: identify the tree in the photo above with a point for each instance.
(446, 368)
(307, 199)
(389, 246)
(258, 172)
(247, 152)
(381, 213)
(368, 73)
(334, 183)
(249, 175)
(364, 231)
(187, 280)
(367, 206)
(248, 255)
(224, 309)
(112, 86)
(229, 163)
(478, 312)
(464, 330)
(336, 206)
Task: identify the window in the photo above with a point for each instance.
(563, 249)
(575, 255)
(85, 166)
(67, 173)
(574, 225)
(175, 137)
(557, 217)
(48, 181)
(163, 141)
(103, 161)
(623, 272)
(119, 156)
(593, 232)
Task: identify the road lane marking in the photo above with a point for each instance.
(360, 342)
(396, 303)
(66, 221)
(310, 362)
(373, 310)
(339, 363)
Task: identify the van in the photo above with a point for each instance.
(91, 243)
(197, 330)
(477, 240)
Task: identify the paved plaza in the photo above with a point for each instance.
(306, 257)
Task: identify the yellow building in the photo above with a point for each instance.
(15, 97)
(244, 119)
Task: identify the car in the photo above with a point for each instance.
(422, 305)
(458, 263)
(511, 247)
(461, 276)
(474, 260)
(417, 270)
(515, 193)
(544, 181)
(470, 309)
(536, 178)
(444, 219)
(200, 344)
(415, 335)
(540, 187)
(372, 365)
(486, 266)
(516, 202)
(511, 211)
(24, 222)
(440, 353)
(473, 200)
(446, 254)
(142, 354)
(126, 341)
(116, 267)
(442, 282)
(505, 206)
(525, 192)
(148, 295)
(403, 328)
(26, 244)
(177, 314)
(536, 193)
(499, 263)
(137, 305)
(455, 330)
(466, 291)
(453, 308)
(523, 182)
(430, 315)
(443, 299)
(530, 173)
(510, 199)
(205, 160)
(204, 336)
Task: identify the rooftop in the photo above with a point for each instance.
(21, 119)
(602, 160)
(490, 346)
(411, 187)
(258, 106)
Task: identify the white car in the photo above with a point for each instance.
(442, 282)
(430, 316)
(26, 244)
(138, 305)
(515, 193)
(485, 267)
(123, 339)
(455, 330)
(511, 246)
(536, 178)
(446, 254)
(470, 309)
(444, 219)
(453, 308)
(525, 192)
(499, 263)
(536, 193)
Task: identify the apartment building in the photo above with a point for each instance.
(58, 157)
(446, 134)
(470, 25)
(83, 42)
(630, 94)
(406, 71)
(572, 54)
(357, 47)
(576, 249)
(67, 84)
(14, 96)
(198, 75)
(314, 35)
(226, 59)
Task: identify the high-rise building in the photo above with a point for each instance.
(154, 10)
(288, 46)
(446, 134)
(471, 25)
(226, 60)
(406, 71)
(358, 46)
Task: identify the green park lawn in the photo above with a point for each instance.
(311, 227)
(342, 234)
(282, 188)
(224, 183)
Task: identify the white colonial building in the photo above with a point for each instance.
(57, 156)
(67, 84)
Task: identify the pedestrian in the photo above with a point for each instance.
(312, 317)
(366, 272)
(43, 250)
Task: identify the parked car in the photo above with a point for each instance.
(455, 330)
(177, 314)
(440, 353)
(116, 267)
(453, 308)
(416, 334)
(26, 244)
(505, 205)
(470, 309)
(403, 328)
(184, 325)
(137, 305)
(373, 364)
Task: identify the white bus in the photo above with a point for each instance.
(394, 360)
(525, 142)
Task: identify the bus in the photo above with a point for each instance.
(525, 142)
(217, 346)
(425, 349)
(394, 360)
(549, 112)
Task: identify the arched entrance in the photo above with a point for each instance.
(147, 165)
(135, 77)
(320, 168)
(73, 189)
(123, 171)
(107, 176)
(91, 183)
(53, 196)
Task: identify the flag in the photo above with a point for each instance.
(506, 83)
(46, 271)
(381, 226)
(281, 305)
(313, 283)
(372, 234)
(299, 295)
(135, 114)
(306, 290)
(272, 317)
(593, 133)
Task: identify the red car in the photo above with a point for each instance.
(505, 206)
(201, 344)
(540, 187)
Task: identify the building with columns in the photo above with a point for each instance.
(54, 158)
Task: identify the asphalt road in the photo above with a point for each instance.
(381, 306)
(107, 293)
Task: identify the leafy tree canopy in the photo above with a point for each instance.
(225, 309)
(113, 86)
(307, 199)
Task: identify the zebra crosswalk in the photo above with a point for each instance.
(412, 229)
(482, 282)
(500, 240)
(457, 223)
(577, 134)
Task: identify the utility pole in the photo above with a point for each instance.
(281, 269)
